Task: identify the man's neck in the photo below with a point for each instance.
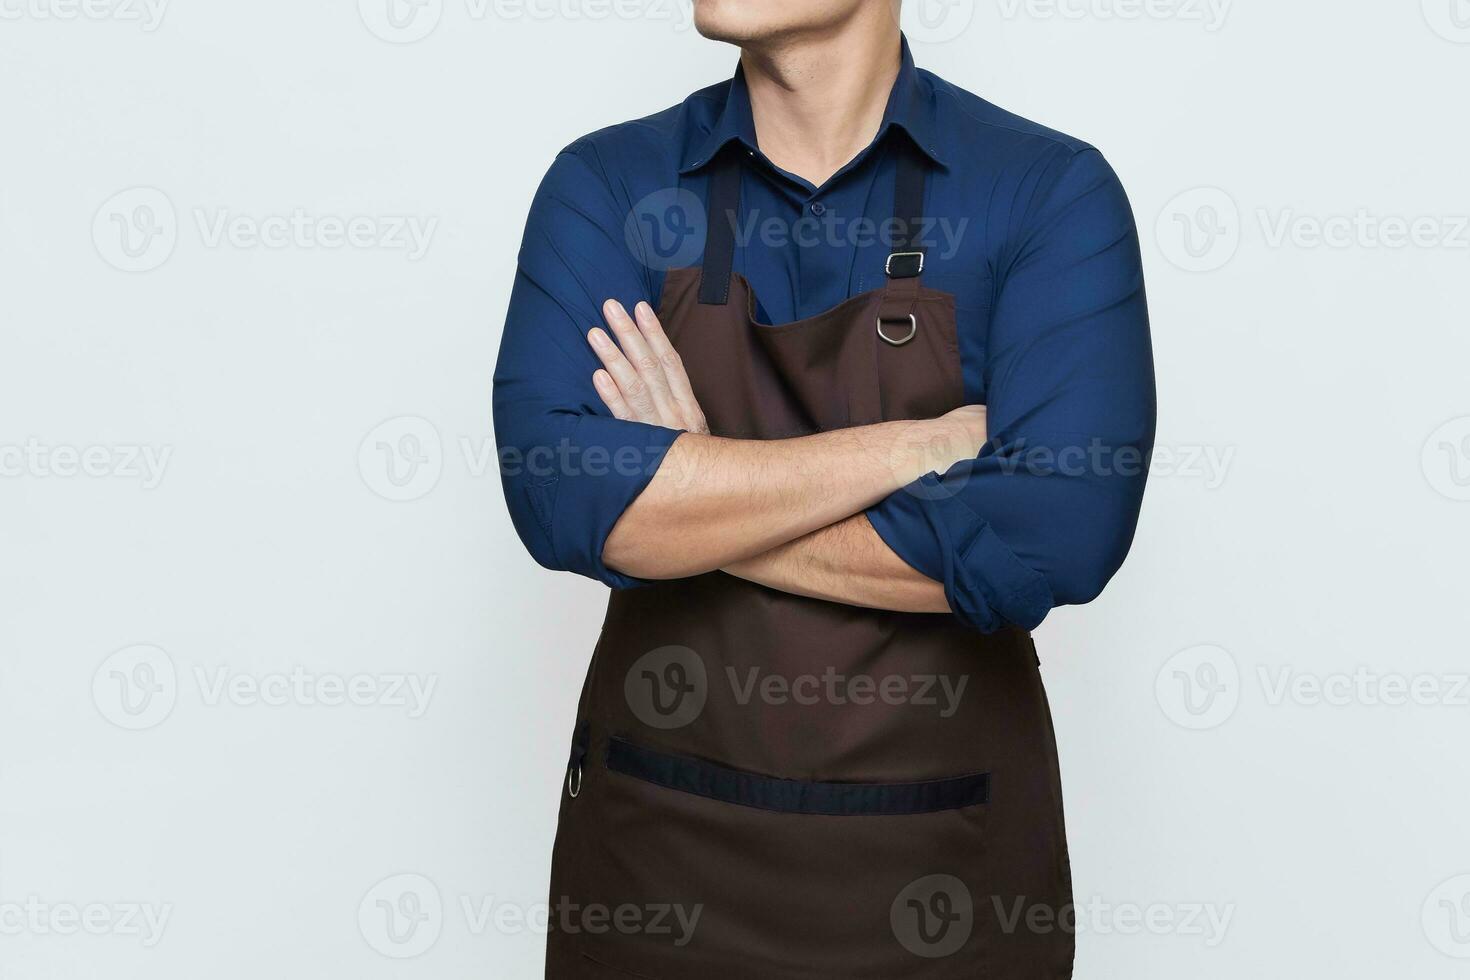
(818, 102)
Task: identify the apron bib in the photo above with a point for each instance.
(766, 785)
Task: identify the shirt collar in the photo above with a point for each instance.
(911, 107)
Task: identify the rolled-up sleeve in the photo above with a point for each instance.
(568, 468)
(1046, 514)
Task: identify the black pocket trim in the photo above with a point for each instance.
(714, 782)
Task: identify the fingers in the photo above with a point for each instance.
(643, 378)
(680, 389)
(637, 351)
(634, 392)
(607, 390)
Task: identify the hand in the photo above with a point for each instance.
(970, 425)
(952, 438)
(643, 378)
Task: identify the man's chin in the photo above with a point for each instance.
(720, 29)
(746, 21)
(764, 22)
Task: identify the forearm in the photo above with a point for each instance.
(714, 502)
(846, 562)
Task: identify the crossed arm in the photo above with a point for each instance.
(1042, 517)
(787, 514)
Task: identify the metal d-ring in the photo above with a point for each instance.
(574, 781)
(913, 329)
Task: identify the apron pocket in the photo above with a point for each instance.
(700, 778)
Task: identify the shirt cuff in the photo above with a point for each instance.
(606, 464)
(987, 586)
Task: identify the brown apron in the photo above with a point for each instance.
(768, 786)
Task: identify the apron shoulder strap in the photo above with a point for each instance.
(722, 217)
(907, 259)
(898, 321)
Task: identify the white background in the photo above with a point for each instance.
(1310, 526)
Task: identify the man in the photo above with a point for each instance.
(835, 465)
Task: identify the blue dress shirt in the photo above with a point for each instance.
(1030, 230)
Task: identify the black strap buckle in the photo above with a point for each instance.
(904, 265)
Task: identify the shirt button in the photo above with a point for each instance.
(818, 208)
